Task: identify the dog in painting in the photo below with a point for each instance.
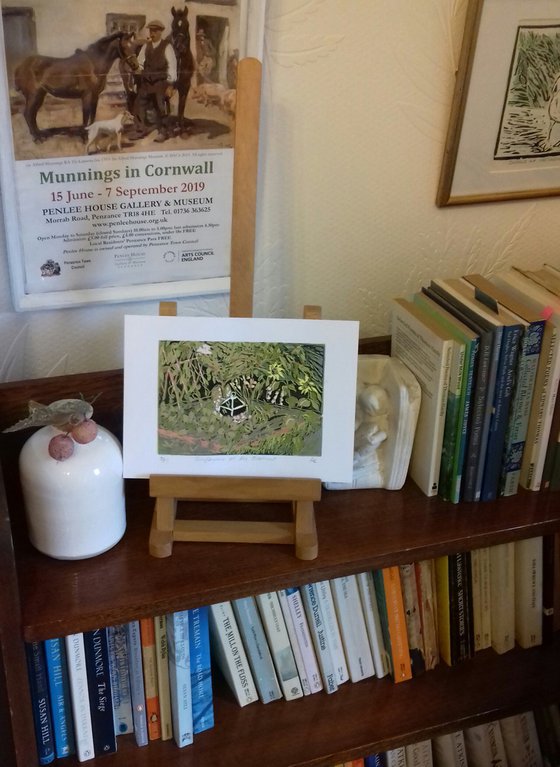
(103, 135)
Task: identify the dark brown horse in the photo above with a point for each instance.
(181, 42)
(80, 76)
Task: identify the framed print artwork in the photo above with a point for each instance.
(117, 146)
(239, 397)
(503, 141)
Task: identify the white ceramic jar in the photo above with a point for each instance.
(74, 508)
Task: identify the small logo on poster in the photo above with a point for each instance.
(50, 268)
(169, 256)
(196, 255)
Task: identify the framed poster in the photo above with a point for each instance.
(503, 141)
(117, 146)
(236, 396)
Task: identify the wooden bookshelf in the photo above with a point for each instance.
(358, 530)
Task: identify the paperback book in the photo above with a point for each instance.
(178, 648)
(59, 694)
(201, 670)
(40, 703)
(99, 688)
(257, 649)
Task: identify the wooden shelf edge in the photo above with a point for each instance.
(391, 715)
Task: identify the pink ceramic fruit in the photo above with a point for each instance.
(61, 447)
(84, 432)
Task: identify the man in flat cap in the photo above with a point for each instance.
(156, 82)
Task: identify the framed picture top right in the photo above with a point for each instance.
(503, 141)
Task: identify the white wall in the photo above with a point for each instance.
(356, 98)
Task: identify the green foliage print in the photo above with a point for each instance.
(231, 398)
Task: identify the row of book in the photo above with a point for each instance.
(153, 676)
(150, 676)
(529, 739)
(486, 354)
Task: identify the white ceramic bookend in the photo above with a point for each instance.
(387, 405)
(72, 481)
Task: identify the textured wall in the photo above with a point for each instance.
(356, 98)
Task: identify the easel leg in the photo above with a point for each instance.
(163, 523)
(307, 546)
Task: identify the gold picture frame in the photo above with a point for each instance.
(503, 140)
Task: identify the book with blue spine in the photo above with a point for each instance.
(548, 372)
(136, 676)
(257, 649)
(77, 677)
(38, 684)
(120, 682)
(99, 688)
(376, 760)
(59, 691)
(531, 346)
(201, 670)
(513, 331)
(178, 649)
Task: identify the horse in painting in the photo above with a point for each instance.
(180, 39)
(80, 76)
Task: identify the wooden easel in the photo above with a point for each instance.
(301, 532)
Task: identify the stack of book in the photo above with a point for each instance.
(486, 355)
(153, 676)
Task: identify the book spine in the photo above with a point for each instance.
(483, 390)
(383, 615)
(59, 693)
(149, 665)
(257, 648)
(99, 688)
(38, 684)
(521, 740)
(471, 345)
(120, 682)
(412, 618)
(162, 666)
(290, 628)
(444, 619)
(318, 633)
(449, 474)
(430, 362)
(353, 630)
(230, 653)
(201, 670)
(77, 677)
(304, 639)
(476, 443)
(332, 629)
(528, 570)
(136, 676)
(550, 578)
(449, 750)
(178, 648)
(419, 754)
(279, 644)
(396, 757)
(542, 408)
(503, 392)
(381, 661)
(425, 583)
(502, 594)
(531, 346)
(400, 653)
